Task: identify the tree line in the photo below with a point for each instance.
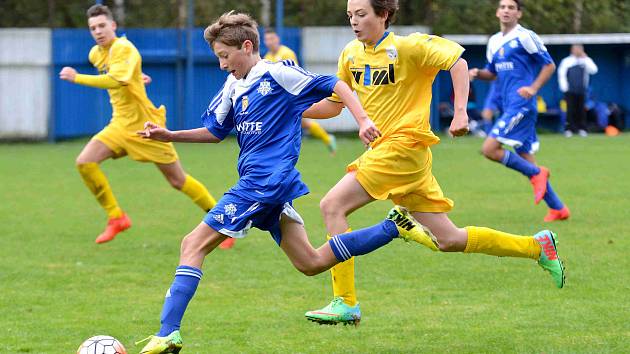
(443, 16)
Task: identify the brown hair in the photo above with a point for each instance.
(97, 10)
(518, 4)
(381, 7)
(233, 29)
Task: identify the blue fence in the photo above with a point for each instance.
(79, 111)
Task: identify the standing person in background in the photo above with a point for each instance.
(278, 52)
(573, 78)
(514, 55)
(120, 72)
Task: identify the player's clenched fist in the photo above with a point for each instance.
(459, 125)
(68, 74)
(155, 132)
(368, 132)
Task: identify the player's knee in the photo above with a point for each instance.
(190, 246)
(308, 268)
(453, 240)
(176, 182)
(330, 208)
(490, 152)
(448, 245)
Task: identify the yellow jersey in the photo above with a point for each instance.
(393, 80)
(283, 53)
(130, 105)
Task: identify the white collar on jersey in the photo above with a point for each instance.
(499, 39)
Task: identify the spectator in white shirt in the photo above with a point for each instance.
(573, 77)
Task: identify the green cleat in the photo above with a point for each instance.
(336, 312)
(549, 260)
(409, 229)
(332, 145)
(158, 345)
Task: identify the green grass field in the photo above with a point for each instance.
(59, 288)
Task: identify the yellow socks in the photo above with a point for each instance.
(343, 280)
(318, 132)
(497, 243)
(198, 193)
(97, 183)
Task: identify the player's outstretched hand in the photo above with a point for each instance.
(472, 74)
(368, 132)
(68, 74)
(155, 132)
(146, 79)
(459, 125)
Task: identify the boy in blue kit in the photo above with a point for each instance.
(264, 102)
(514, 55)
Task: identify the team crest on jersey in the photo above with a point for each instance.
(264, 88)
(230, 209)
(513, 43)
(244, 103)
(501, 52)
(218, 218)
(351, 58)
(392, 53)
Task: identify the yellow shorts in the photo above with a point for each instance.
(400, 170)
(123, 142)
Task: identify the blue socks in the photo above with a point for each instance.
(363, 241)
(515, 162)
(552, 199)
(177, 297)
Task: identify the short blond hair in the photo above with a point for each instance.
(233, 29)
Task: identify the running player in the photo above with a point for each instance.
(264, 102)
(514, 54)
(120, 72)
(393, 75)
(278, 52)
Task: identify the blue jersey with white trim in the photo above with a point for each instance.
(515, 58)
(266, 110)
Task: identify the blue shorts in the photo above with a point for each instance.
(234, 215)
(518, 130)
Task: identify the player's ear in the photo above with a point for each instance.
(114, 25)
(248, 46)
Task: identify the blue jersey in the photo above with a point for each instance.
(265, 108)
(515, 58)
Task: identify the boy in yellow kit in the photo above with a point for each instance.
(278, 52)
(392, 76)
(120, 72)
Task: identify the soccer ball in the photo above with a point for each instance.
(101, 345)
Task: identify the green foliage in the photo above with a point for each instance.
(444, 16)
(59, 288)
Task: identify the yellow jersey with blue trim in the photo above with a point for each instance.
(283, 53)
(393, 81)
(131, 107)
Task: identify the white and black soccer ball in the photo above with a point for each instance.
(101, 345)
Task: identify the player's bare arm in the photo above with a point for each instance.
(461, 85)
(481, 74)
(323, 109)
(543, 76)
(156, 132)
(367, 130)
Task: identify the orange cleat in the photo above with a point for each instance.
(227, 243)
(539, 182)
(114, 226)
(554, 214)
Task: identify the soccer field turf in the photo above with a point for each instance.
(59, 287)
